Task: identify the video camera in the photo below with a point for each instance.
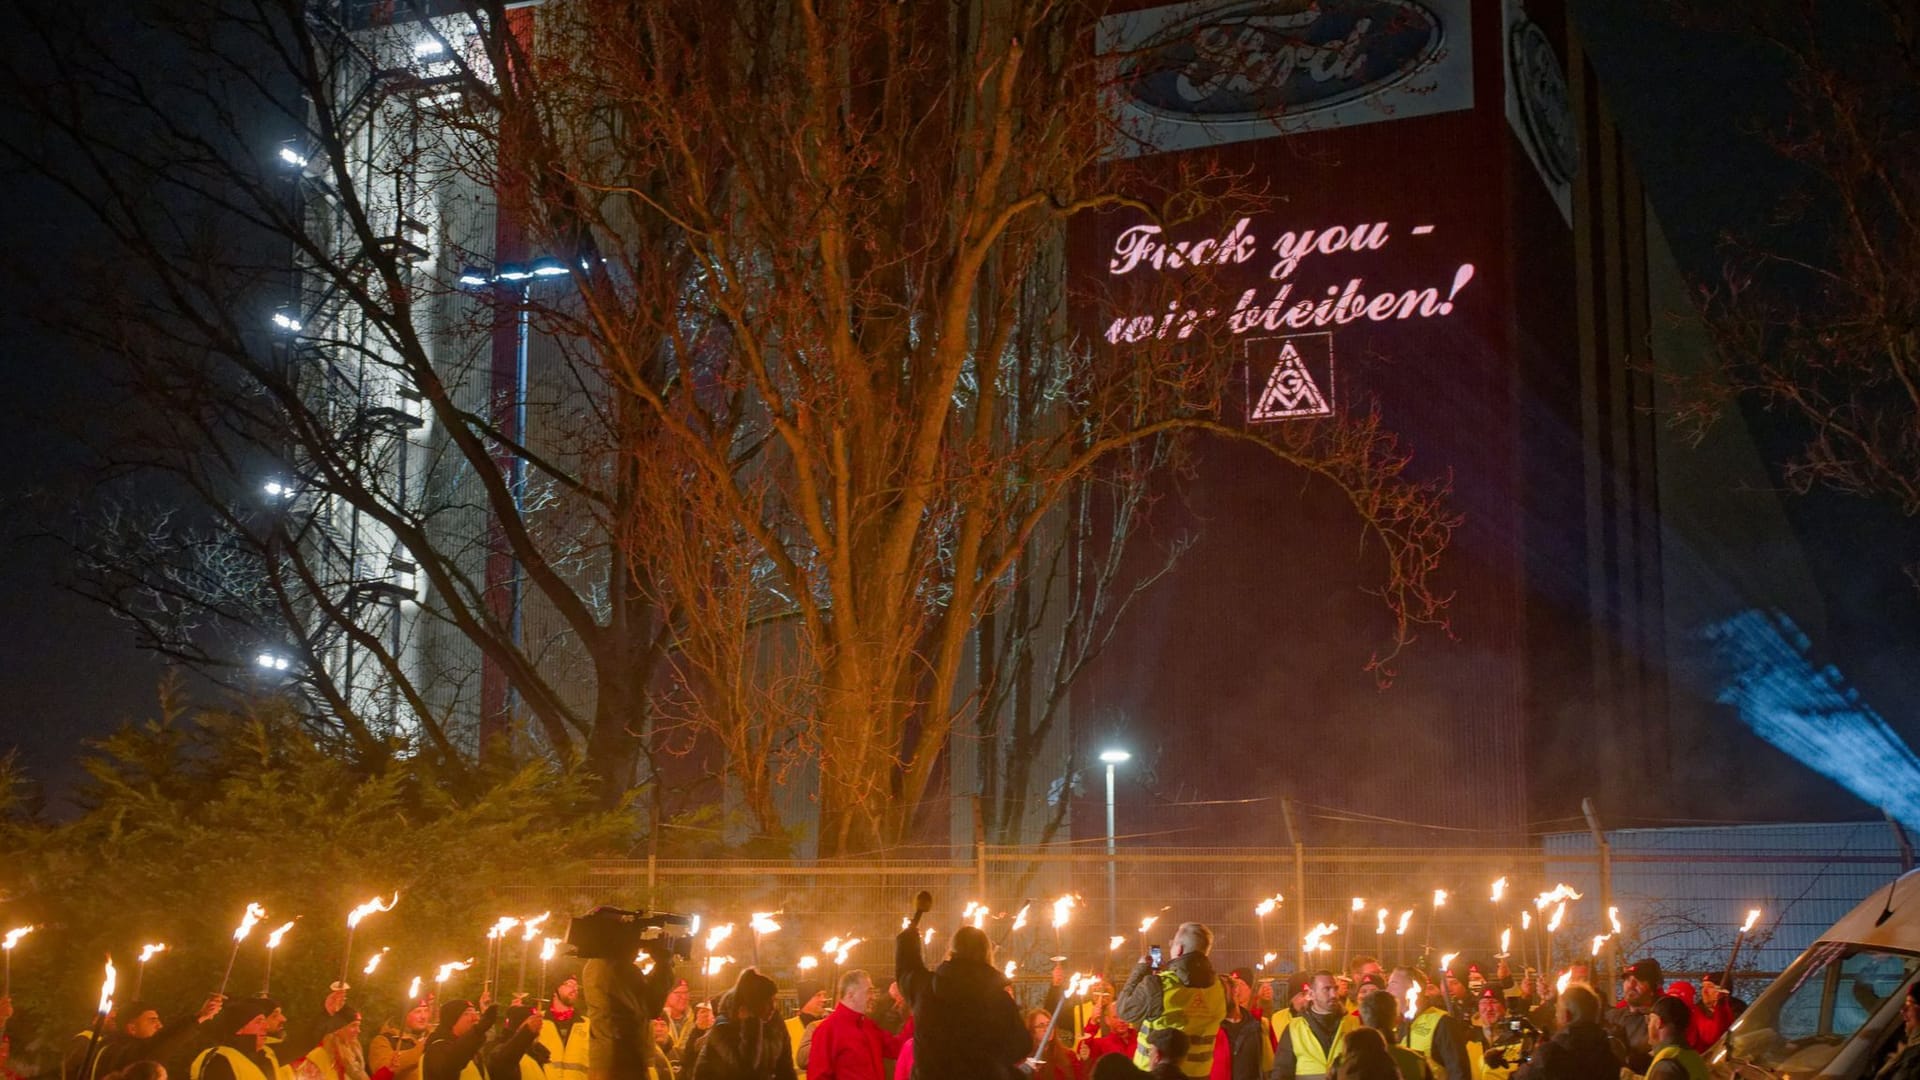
(611, 933)
(1516, 1047)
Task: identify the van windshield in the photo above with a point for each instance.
(1809, 1013)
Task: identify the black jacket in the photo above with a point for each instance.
(1578, 1052)
(965, 1024)
(1243, 1045)
(503, 1057)
(1629, 1025)
(745, 1050)
(447, 1054)
(620, 1003)
(179, 1040)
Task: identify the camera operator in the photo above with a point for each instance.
(621, 1002)
(1508, 1038)
(1581, 1050)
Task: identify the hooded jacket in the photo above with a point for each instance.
(965, 1024)
(742, 1048)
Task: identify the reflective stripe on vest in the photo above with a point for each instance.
(566, 1060)
(1695, 1065)
(242, 1066)
(1309, 1057)
(1195, 1010)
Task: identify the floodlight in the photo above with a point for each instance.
(548, 267)
(473, 277)
(293, 157)
(426, 47)
(287, 319)
(1115, 757)
(512, 272)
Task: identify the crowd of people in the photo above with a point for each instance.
(1172, 1016)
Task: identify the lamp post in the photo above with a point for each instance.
(1110, 758)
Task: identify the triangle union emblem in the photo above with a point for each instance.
(1290, 391)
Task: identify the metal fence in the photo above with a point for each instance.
(1681, 895)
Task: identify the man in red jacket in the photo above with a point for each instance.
(848, 1045)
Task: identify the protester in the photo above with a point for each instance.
(966, 1025)
(143, 1036)
(1312, 1042)
(1667, 1024)
(1640, 986)
(1052, 1050)
(1382, 1014)
(1186, 994)
(1363, 1055)
(1580, 1049)
(453, 1050)
(515, 1052)
(748, 1041)
(400, 1044)
(657, 1066)
(1433, 1033)
(75, 1057)
(813, 1009)
(337, 1055)
(1243, 1050)
(239, 1044)
(703, 1014)
(1167, 1050)
(682, 1019)
(1108, 1034)
(849, 1044)
(565, 1033)
(1704, 1022)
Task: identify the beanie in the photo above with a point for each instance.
(451, 1011)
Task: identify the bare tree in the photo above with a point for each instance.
(810, 405)
(1814, 317)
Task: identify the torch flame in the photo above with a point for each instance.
(715, 963)
(247, 922)
(763, 923)
(447, 969)
(274, 939)
(1146, 924)
(1114, 942)
(1753, 917)
(1439, 898)
(374, 964)
(1268, 959)
(1506, 936)
(1413, 1001)
(371, 907)
(106, 988)
(533, 926)
(846, 947)
(1020, 919)
(1526, 920)
(1359, 904)
(1446, 962)
(13, 937)
(1316, 939)
(1264, 907)
(1381, 926)
(1499, 889)
(718, 934)
(1405, 918)
(413, 989)
(808, 963)
(1062, 909)
(148, 952)
(927, 938)
(1560, 894)
(1560, 984)
(693, 930)
(1012, 966)
(1613, 916)
(1559, 913)
(549, 949)
(1599, 940)
(832, 944)
(502, 925)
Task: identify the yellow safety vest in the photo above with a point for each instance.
(242, 1066)
(1309, 1058)
(1193, 1009)
(1695, 1065)
(565, 1060)
(281, 1071)
(1420, 1041)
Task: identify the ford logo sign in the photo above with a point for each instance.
(1265, 58)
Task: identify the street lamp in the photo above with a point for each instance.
(1110, 758)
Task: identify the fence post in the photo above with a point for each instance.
(1612, 965)
(1900, 838)
(1299, 883)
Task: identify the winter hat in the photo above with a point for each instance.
(346, 1017)
(1647, 971)
(753, 993)
(1373, 979)
(239, 1014)
(451, 1011)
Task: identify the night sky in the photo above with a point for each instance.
(68, 669)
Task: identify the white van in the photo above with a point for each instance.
(1835, 1012)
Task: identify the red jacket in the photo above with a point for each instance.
(848, 1045)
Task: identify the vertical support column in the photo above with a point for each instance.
(1610, 967)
